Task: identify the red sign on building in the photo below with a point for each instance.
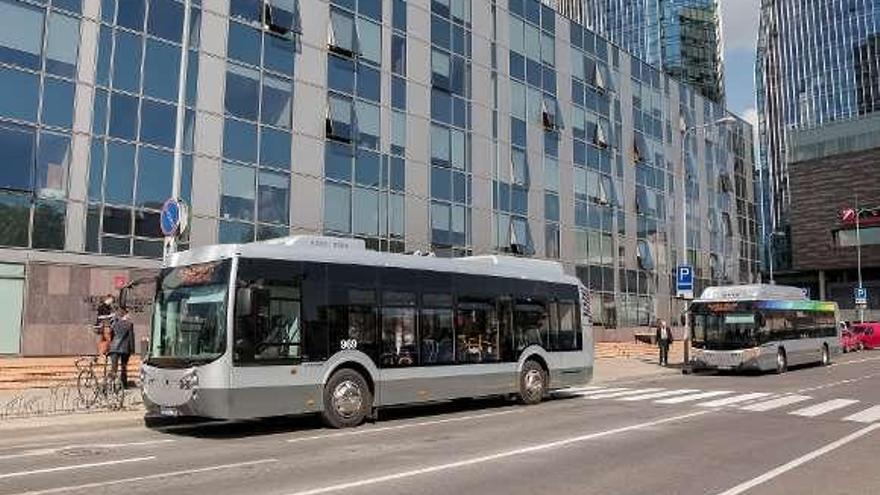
(866, 216)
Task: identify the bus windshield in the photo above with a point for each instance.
(189, 318)
(725, 331)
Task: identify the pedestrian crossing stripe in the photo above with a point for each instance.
(824, 407)
(736, 399)
(659, 395)
(772, 404)
(622, 393)
(719, 399)
(693, 397)
(870, 415)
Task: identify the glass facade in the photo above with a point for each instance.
(681, 36)
(530, 136)
(817, 62)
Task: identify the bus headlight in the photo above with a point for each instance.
(750, 354)
(189, 381)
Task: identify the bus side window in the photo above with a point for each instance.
(530, 323)
(399, 329)
(476, 331)
(435, 329)
(568, 330)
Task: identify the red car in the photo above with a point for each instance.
(868, 335)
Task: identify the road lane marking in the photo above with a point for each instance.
(834, 384)
(774, 473)
(75, 467)
(825, 407)
(612, 395)
(736, 399)
(400, 427)
(869, 415)
(693, 397)
(589, 393)
(494, 457)
(106, 446)
(148, 477)
(659, 395)
(776, 403)
(578, 389)
(856, 361)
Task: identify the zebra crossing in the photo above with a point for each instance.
(804, 406)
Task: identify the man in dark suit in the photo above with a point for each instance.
(664, 340)
(122, 346)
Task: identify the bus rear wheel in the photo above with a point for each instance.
(532, 383)
(347, 399)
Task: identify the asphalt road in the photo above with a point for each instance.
(811, 431)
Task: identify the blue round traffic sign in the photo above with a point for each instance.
(169, 218)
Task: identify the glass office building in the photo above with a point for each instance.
(399, 122)
(682, 36)
(817, 62)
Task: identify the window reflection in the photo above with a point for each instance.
(21, 34)
(53, 163)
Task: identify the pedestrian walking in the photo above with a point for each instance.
(664, 340)
(122, 346)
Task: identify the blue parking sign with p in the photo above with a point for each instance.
(684, 281)
(861, 294)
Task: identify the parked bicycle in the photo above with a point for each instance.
(96, 386)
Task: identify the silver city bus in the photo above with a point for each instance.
(316, 324)
(761, 327)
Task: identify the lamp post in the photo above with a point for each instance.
(684, 245)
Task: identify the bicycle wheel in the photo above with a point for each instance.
(87, 388)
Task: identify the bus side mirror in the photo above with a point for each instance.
(244, 301)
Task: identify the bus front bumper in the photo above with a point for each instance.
(742, 360)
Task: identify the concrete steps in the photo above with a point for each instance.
(638, 350)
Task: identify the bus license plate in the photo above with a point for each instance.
(168, 411)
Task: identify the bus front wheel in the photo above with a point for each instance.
(347, 399)
(532, 383)
(781, 362)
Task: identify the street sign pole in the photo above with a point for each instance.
(171, 244)
(859, 260)
(684, 289)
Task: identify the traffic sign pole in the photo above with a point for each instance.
(171, 244)
(684, 288)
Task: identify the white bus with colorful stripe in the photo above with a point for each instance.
(761, 327)
(318, 324)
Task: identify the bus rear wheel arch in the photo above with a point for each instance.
(348, 398)
(533, 382)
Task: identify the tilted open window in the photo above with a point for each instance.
(342, 35)
(339, 121)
